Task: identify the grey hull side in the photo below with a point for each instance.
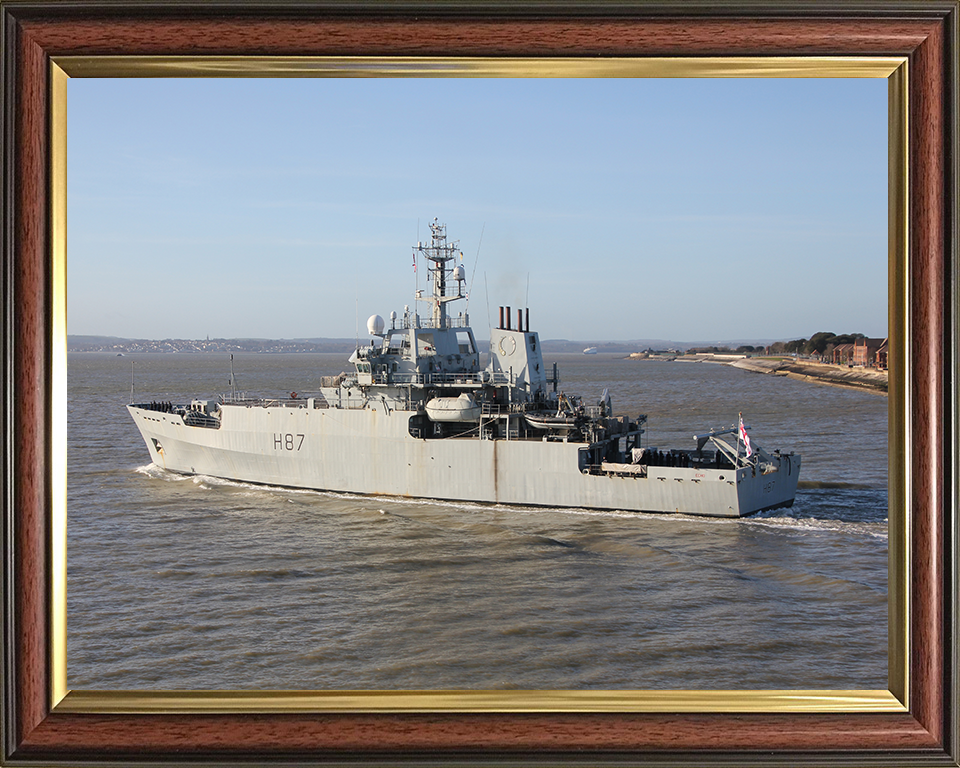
(371, 451)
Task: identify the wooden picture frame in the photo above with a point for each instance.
(39, 728)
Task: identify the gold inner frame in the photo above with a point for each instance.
(893, 69)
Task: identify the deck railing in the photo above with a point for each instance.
(429, 322)
(300, 401)
(438, 379)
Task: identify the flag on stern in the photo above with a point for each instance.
(745, 437)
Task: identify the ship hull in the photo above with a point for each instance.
(371, 451)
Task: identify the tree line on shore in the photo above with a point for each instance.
(821, 344)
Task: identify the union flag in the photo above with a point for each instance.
(745, 437)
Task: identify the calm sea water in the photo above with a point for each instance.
(196, 583)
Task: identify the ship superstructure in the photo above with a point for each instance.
(418, 416)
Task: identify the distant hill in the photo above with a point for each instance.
(620, 347)
(640, 345)
(118, 344)
(124, 346)
(92, 341)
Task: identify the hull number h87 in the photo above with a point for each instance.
(287, 442)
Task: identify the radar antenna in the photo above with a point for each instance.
(447, 279)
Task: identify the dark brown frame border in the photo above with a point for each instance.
(924, 32)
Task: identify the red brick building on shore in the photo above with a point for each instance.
(870, 353)
(843, 354)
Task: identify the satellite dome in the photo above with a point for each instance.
(375, 325)
(459, 273)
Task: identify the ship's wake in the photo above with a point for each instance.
(877, 530)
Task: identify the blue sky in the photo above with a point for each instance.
(687, 210)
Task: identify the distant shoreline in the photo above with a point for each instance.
(211, 346)
(868, 379)
(124, 345)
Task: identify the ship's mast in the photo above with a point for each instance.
(447, 279)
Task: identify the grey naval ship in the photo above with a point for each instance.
(417, 416)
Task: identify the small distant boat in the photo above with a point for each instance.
(590, 351)
(119, 354)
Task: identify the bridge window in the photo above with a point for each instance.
(465, 343)
(425, 345)
(397, 341)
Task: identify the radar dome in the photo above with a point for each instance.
(459, 273)
(375, 325)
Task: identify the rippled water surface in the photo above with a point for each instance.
(191, 582)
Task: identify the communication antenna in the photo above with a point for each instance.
(474, 275)
(487, 291)
(132, 396)
(233, 381)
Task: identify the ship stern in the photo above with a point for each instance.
(772, 485)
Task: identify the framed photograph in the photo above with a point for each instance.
(46, 44)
